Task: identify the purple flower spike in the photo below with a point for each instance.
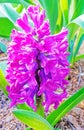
(37, 62)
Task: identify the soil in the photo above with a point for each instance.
(74, 120)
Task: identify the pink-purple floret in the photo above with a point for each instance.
(37, 61)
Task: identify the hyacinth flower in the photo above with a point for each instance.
(37, 62)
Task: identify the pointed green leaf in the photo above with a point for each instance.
(30, 2)
(51, 7)
(79, 41)
(59, 23)
(6, 27)
(79, 9)
(65, 107)
(3, 83)
(77, 2)
(71, 47)
(33, 120)
(64, 8)
(25, 3)
(79, 21)
(72, 8)
(72, 28)
(74, 4)
(9, 12)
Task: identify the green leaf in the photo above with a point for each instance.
(3, 83)
(79, 21)
(79, 9)
(30, 2)
(24, 106)
(9, 1)
(3, 47)
(5, 27)
(71, 47)
(64, 8)
(73, 5)
(72, 28)
(33, 120)
(51, 7)
(77, 2)
(79, 41)
(79, 57)
(59, 22)
(19, 8)
(25, 3)
(69, 3)
(9, 12)
(57, 129)
(28, 129)
(65, 107)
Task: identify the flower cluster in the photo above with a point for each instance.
(37, 61)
